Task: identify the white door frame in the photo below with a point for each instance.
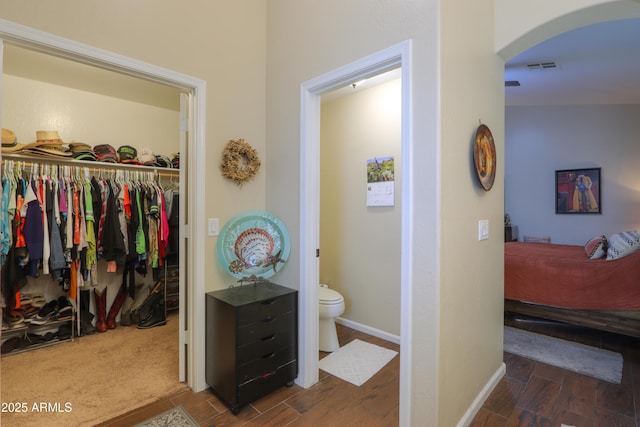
(192, 331)
(396, 56)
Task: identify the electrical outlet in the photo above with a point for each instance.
(483, 229)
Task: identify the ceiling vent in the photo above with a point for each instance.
(542, 66)
(511, 83)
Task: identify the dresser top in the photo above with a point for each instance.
(245, 294)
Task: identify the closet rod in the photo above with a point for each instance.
(93, 167)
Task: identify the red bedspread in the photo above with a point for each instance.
(563, 276)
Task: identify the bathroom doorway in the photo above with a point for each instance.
(360, 202)
(397, 56)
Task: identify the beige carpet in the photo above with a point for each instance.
(92, 379)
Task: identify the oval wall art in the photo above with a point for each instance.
(484, 157)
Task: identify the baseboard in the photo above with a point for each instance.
(468, 417)
(369, 330)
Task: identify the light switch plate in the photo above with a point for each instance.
(213, 226)
(483, 229)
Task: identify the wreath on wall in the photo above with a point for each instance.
(240, 162)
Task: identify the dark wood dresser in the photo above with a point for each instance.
(251, 341)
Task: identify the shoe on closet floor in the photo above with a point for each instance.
(65, 310)
(14, 318)
(45, 313)
(141, 297)
(157, 319)
(86, 317)
(125, 313)
(65, 332)
(29, 312)
(39, 339)
(155, 308)
(9, 345)
(38, 301)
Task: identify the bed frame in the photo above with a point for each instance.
(601, 320)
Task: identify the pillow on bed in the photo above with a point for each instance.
(596, 248)
(622, 244)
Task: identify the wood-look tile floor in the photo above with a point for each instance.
(531, 394)
(535, 394)
(330, 402)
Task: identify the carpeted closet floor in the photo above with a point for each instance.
(93, 378)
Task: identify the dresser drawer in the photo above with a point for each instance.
(264, 384)
(263, 329)
(265, 345)
(251, 342)
(265, 309)
(265, 363)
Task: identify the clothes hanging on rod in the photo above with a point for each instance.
(60, 220)
(100, 168)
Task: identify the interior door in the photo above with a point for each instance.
(185, 123)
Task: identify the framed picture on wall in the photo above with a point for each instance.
(578, 191)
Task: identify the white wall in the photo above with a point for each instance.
(305, 40)
(521, 24)
(30, 105)
(541, 140)
(454, 298)
(360, 245)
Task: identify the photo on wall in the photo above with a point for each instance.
(578, 191)
(380, 181)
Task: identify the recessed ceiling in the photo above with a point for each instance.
(39, 66)
(595, 64)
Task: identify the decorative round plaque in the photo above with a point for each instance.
(484, 157)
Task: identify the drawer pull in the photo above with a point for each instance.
(268, 374)
(270, 319)
(268, 337)
(269, 356)
(268, 302)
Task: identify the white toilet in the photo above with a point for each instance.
(331, 305)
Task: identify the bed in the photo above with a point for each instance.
(559, 282)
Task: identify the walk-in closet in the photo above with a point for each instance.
(89, 228)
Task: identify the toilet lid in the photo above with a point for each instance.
(328, 296)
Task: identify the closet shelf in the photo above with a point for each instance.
(93, 166)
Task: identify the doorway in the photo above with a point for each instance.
(192, 125)
(397, 56)
(360, 205)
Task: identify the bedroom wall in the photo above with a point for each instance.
(542, 139)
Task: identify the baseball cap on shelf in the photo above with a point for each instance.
(82, 151)
(105, 153)
(128, 154)
(163, 161)
(85, 155)
(146, 157)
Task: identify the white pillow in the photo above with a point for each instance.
(622, 244)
